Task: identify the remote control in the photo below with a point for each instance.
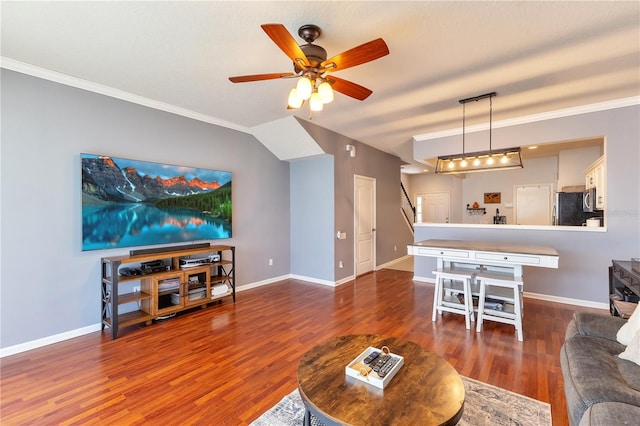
(387, 367)
(382, 359)
(373, 355)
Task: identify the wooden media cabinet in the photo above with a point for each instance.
(140, 288)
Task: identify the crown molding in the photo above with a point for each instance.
(567, 112)
(79, 83)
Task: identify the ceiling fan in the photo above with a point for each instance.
(311, 66)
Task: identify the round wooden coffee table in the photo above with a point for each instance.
(426, 389)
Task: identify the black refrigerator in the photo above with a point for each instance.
(568, 209)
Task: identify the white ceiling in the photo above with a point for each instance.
(537, 56)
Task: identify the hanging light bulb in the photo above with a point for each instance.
(504, 159)
(315, 102)
(451, 164)
(295, 101)
(476, 162)
(304, 88)
(463, 163)
(490, 160)
(326, 92)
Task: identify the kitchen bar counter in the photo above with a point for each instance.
(516, 227)
(487, 253)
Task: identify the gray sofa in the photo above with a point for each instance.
(601, 388)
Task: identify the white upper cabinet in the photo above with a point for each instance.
(595, 176)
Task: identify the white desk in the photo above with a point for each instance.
(486, 254)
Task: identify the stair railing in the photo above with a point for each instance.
(406, 202)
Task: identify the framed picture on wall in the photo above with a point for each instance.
(492, 197)
(129, 203)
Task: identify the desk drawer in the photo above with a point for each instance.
(443, 253)
(509, 258)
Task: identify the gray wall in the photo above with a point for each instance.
(584, 256)
(49, 286)
(312, 217)
(391, 229)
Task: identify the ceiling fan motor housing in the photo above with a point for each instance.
(315, 54)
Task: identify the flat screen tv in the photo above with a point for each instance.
(128, 203)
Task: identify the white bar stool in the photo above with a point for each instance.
(505, 288)
(449, 283)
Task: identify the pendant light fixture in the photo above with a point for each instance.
(481, 161)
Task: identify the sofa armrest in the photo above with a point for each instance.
(597, 325)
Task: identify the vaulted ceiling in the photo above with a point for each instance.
(537, 56)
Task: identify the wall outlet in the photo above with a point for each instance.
(395, 248)
(340, 264)
(270, 262)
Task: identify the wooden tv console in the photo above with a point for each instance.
(132, 294)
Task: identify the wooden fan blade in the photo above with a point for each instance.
(285, 41)
(358, 55)
(349, 88)
(258, 77)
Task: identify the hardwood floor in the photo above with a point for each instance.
(227, 364)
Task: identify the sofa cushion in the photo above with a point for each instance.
(628, 330)
(630, 373)
(597, 325)
(591, 373)
(572, 329)
(611, 413)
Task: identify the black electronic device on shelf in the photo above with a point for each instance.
(153, 266)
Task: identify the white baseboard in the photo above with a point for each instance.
(295, 277)
(49, 340)
(314, 280)
(345, 280)
(263, 282)
(538, 296)
(567, 300)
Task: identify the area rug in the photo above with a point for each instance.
(484, 405)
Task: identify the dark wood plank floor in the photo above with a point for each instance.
(227, 364)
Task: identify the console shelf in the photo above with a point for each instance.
(144, 295)
(624, 288)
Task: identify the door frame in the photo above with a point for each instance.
(355, 224)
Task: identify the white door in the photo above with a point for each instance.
(364, 223)
(435, 207)
(533, 204)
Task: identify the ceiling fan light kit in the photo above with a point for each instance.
(311, 67)
(326, 92)
(304, 88)
(317, 93)
(481, 161)
(295, 101)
